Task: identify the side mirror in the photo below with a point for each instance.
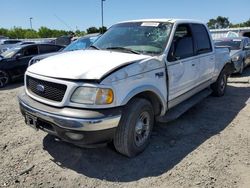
(18, 56)
(247, 47)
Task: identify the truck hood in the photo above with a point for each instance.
(83, 64)
(43, 56)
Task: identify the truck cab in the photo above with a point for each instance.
(137, 72)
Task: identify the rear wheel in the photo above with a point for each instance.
(219, 87)
(134, 130)
(4, 78)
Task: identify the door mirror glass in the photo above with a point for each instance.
(18, 56)
(247, 47)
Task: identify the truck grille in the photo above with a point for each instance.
(45, 89)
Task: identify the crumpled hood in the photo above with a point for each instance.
(83, 64)
(234, 52)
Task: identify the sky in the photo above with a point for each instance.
(82, 14)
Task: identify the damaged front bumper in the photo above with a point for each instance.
(78, 126)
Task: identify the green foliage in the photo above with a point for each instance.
(3, 31)
(92, 30)
(96, 30)
(79, 33)
(31, 34)
(102, 29)
(44, 32)
(223, 22)
(219, 23)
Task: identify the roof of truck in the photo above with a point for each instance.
(172, 20)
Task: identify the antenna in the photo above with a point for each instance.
(64, 23)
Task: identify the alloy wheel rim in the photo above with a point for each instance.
(4, 78)
(142, 128)
(223, 82)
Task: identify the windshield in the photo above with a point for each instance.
(82, 43)
(10, 53)
(142, 37)
(234, 44)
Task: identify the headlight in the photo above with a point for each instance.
(235, 58)
(91, 95)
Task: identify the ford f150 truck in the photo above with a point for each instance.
(135, 73)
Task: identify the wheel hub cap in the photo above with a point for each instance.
(142, 128)
(3, 78)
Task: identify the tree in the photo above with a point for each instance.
(219, 23)
(44, 32)
(30, 33)
(16, 32)
(247, 23)
(79, 33)
(102, 29)
(3, 31)
(92, 30)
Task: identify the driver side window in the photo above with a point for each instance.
(182, 45)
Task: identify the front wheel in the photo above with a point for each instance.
(134, 130)
(219, 87)
(4, 78)
(242, 66)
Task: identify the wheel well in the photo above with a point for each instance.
(153, 99)
(229, 67)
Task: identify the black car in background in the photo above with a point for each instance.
(14, 62)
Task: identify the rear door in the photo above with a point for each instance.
(204, 51)
(182, 65)
(46, 48)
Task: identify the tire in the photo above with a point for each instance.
(219, 87)
(242, 66)
(134, 130)
(4, 78)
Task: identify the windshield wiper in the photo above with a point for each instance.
(95, 47)
(123, 49)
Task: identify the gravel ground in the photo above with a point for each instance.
(208, 146)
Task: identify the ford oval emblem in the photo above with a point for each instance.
(40, 88)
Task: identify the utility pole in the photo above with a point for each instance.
(31, 22)
(102, 15)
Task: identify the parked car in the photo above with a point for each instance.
(14, 62)
(79, 44)
(135, 73)
(7, 44)
(240, 51)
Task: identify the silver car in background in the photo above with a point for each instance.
(239, 51)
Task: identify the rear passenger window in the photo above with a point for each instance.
(48, 48)
(203, 44)
(182, 44)
(30, 51)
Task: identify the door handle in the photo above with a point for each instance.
(193, 64)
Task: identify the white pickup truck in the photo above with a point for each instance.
(137, 72)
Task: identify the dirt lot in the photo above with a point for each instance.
(209, 146)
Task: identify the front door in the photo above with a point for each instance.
(26, 54)
(182, 65)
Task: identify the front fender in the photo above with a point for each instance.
(146, 88)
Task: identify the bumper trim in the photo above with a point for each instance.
(71, 123)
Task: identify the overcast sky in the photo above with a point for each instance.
(81, 14)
